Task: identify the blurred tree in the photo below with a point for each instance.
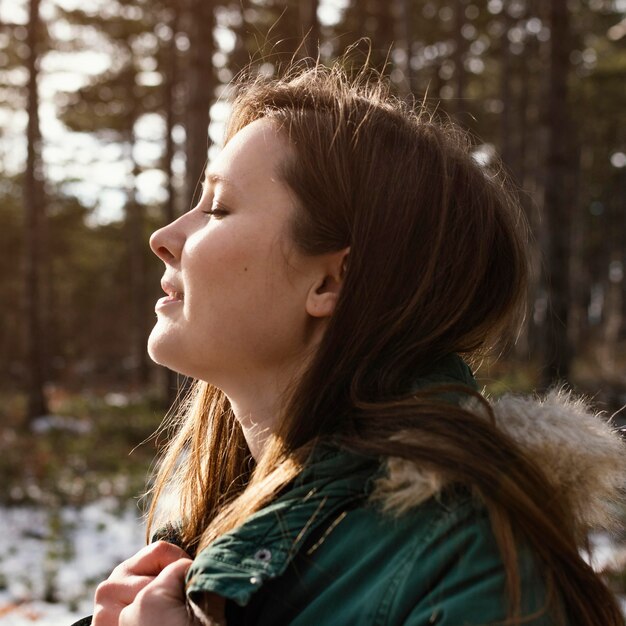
(240, 55)
(13, 365)
(558, 199)
(200, 84)
(97, 259)
(485, 63)
(170, 63)
(462, 30)
(404, 29)
(35, 215)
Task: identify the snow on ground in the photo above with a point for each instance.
(51, 562)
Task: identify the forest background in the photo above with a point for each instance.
(104, 111)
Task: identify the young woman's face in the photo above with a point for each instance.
(236, 284)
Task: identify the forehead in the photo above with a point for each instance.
(257, 150)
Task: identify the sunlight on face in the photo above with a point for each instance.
(236, 286)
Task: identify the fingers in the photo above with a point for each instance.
(151, 560)
(162, 601)
(128, 580)
(113, 595)
(170, 583)
(121, 591)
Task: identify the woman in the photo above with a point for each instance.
(335, 463)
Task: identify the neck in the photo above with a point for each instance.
(259, 400)
(257, 406)
(257, 424)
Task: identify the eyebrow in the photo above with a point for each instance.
(215, 179)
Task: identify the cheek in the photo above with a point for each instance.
(220, 250)
(224, 275)
(238, 274)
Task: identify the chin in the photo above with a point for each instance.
(158, 348)
(166, 351)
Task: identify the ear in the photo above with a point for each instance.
(323, 294)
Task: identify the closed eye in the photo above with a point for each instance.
(218, 211)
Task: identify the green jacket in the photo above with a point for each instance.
(355, 540)
(323, 554)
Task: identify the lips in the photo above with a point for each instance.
(173, 298)
(171, 290)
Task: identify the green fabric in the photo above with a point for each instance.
(450, 369)
(323, 554)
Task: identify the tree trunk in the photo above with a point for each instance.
(169, 104)
(507, 139)
(361, 10)
(384, 37)
(200, 88)
(621, 248)
(524, 167)
(614, 304)
(558, 207)
(535, 184)
(34, 213)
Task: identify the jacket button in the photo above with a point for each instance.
(263, 555)
(255, 580)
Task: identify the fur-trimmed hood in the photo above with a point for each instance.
(580, 452)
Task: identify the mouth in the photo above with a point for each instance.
(171, 291)
(174, 295)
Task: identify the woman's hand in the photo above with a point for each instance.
(146, 589)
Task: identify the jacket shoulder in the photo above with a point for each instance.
(440, 560)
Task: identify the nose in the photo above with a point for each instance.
(167, 243)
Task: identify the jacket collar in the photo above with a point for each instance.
(450, 369)
(239, 562)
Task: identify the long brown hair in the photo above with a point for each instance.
(437, 265)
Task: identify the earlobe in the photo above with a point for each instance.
(321, 303)
(323, 295)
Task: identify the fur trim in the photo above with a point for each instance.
(580, 453)
(405, 486)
